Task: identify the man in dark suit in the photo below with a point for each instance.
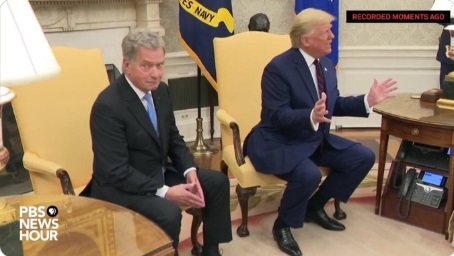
(134, 134)
(446, 63)
(293, 136)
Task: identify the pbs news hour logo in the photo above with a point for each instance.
(38, 223)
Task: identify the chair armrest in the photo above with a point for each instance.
(227, 120)
(65, 182)
(34, 163)
(224, 118)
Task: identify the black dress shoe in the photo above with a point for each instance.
(321, 218)
(286, 242)
(216, 252)
(211, 254)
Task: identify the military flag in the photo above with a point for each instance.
(200, 22)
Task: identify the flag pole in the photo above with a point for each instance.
(199, 146)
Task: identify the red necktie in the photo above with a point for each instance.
(321, 88)
(320, 77)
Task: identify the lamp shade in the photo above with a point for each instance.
(443, 5)
(25, 55)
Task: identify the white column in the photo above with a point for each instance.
(147, 15)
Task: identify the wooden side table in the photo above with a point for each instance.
(412, 120)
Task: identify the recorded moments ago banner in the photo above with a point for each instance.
(398, 16)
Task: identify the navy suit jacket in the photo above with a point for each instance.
(445, 39)
(284, 135)
(128, 153)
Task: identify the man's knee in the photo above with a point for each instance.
(221, 180)
(313, 179)
(308, 177)
(169, 219)
(368, 157)
(174, 215)
(218, 180)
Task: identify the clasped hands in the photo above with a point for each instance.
(189, 194)
(377, 93)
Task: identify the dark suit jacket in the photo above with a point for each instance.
(445, 39)
(128, 154)
(284, 135)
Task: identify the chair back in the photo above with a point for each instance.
(240, 60)
(53, 117)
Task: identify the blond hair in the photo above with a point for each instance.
(305, 22)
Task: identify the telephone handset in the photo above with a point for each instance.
(406, 191)
(408, 184)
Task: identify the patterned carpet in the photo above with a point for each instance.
(267, 199)
(366, 234)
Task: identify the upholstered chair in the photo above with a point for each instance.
(240, 60)
(53, 121)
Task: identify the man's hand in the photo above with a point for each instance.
(451, 51)
(191, 178)
(182, 195)
(381, 91)
(319, 113)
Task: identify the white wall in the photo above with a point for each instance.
(403, 51)
(413, 67)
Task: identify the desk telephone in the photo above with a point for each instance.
(408, 184)
(424, 188)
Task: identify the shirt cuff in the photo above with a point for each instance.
(189, 170)
(314, 126)
(366, 104)
(162, 191)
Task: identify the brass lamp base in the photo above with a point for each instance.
(199, 146)
(7, 212)
(445, 103)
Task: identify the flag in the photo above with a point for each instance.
(200, 22)
(329, 6)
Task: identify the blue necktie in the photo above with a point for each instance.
(151, 112)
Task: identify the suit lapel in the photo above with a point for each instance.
(136, 108)
(305, 73)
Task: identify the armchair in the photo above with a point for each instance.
(53, 121)
(240, 60)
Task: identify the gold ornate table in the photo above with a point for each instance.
(86, 226)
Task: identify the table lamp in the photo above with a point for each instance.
(25, 57)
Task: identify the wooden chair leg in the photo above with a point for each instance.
(339, 214)
(196, 222)
(243, 198)
(224, 168)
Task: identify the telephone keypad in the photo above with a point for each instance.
(427, 196)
